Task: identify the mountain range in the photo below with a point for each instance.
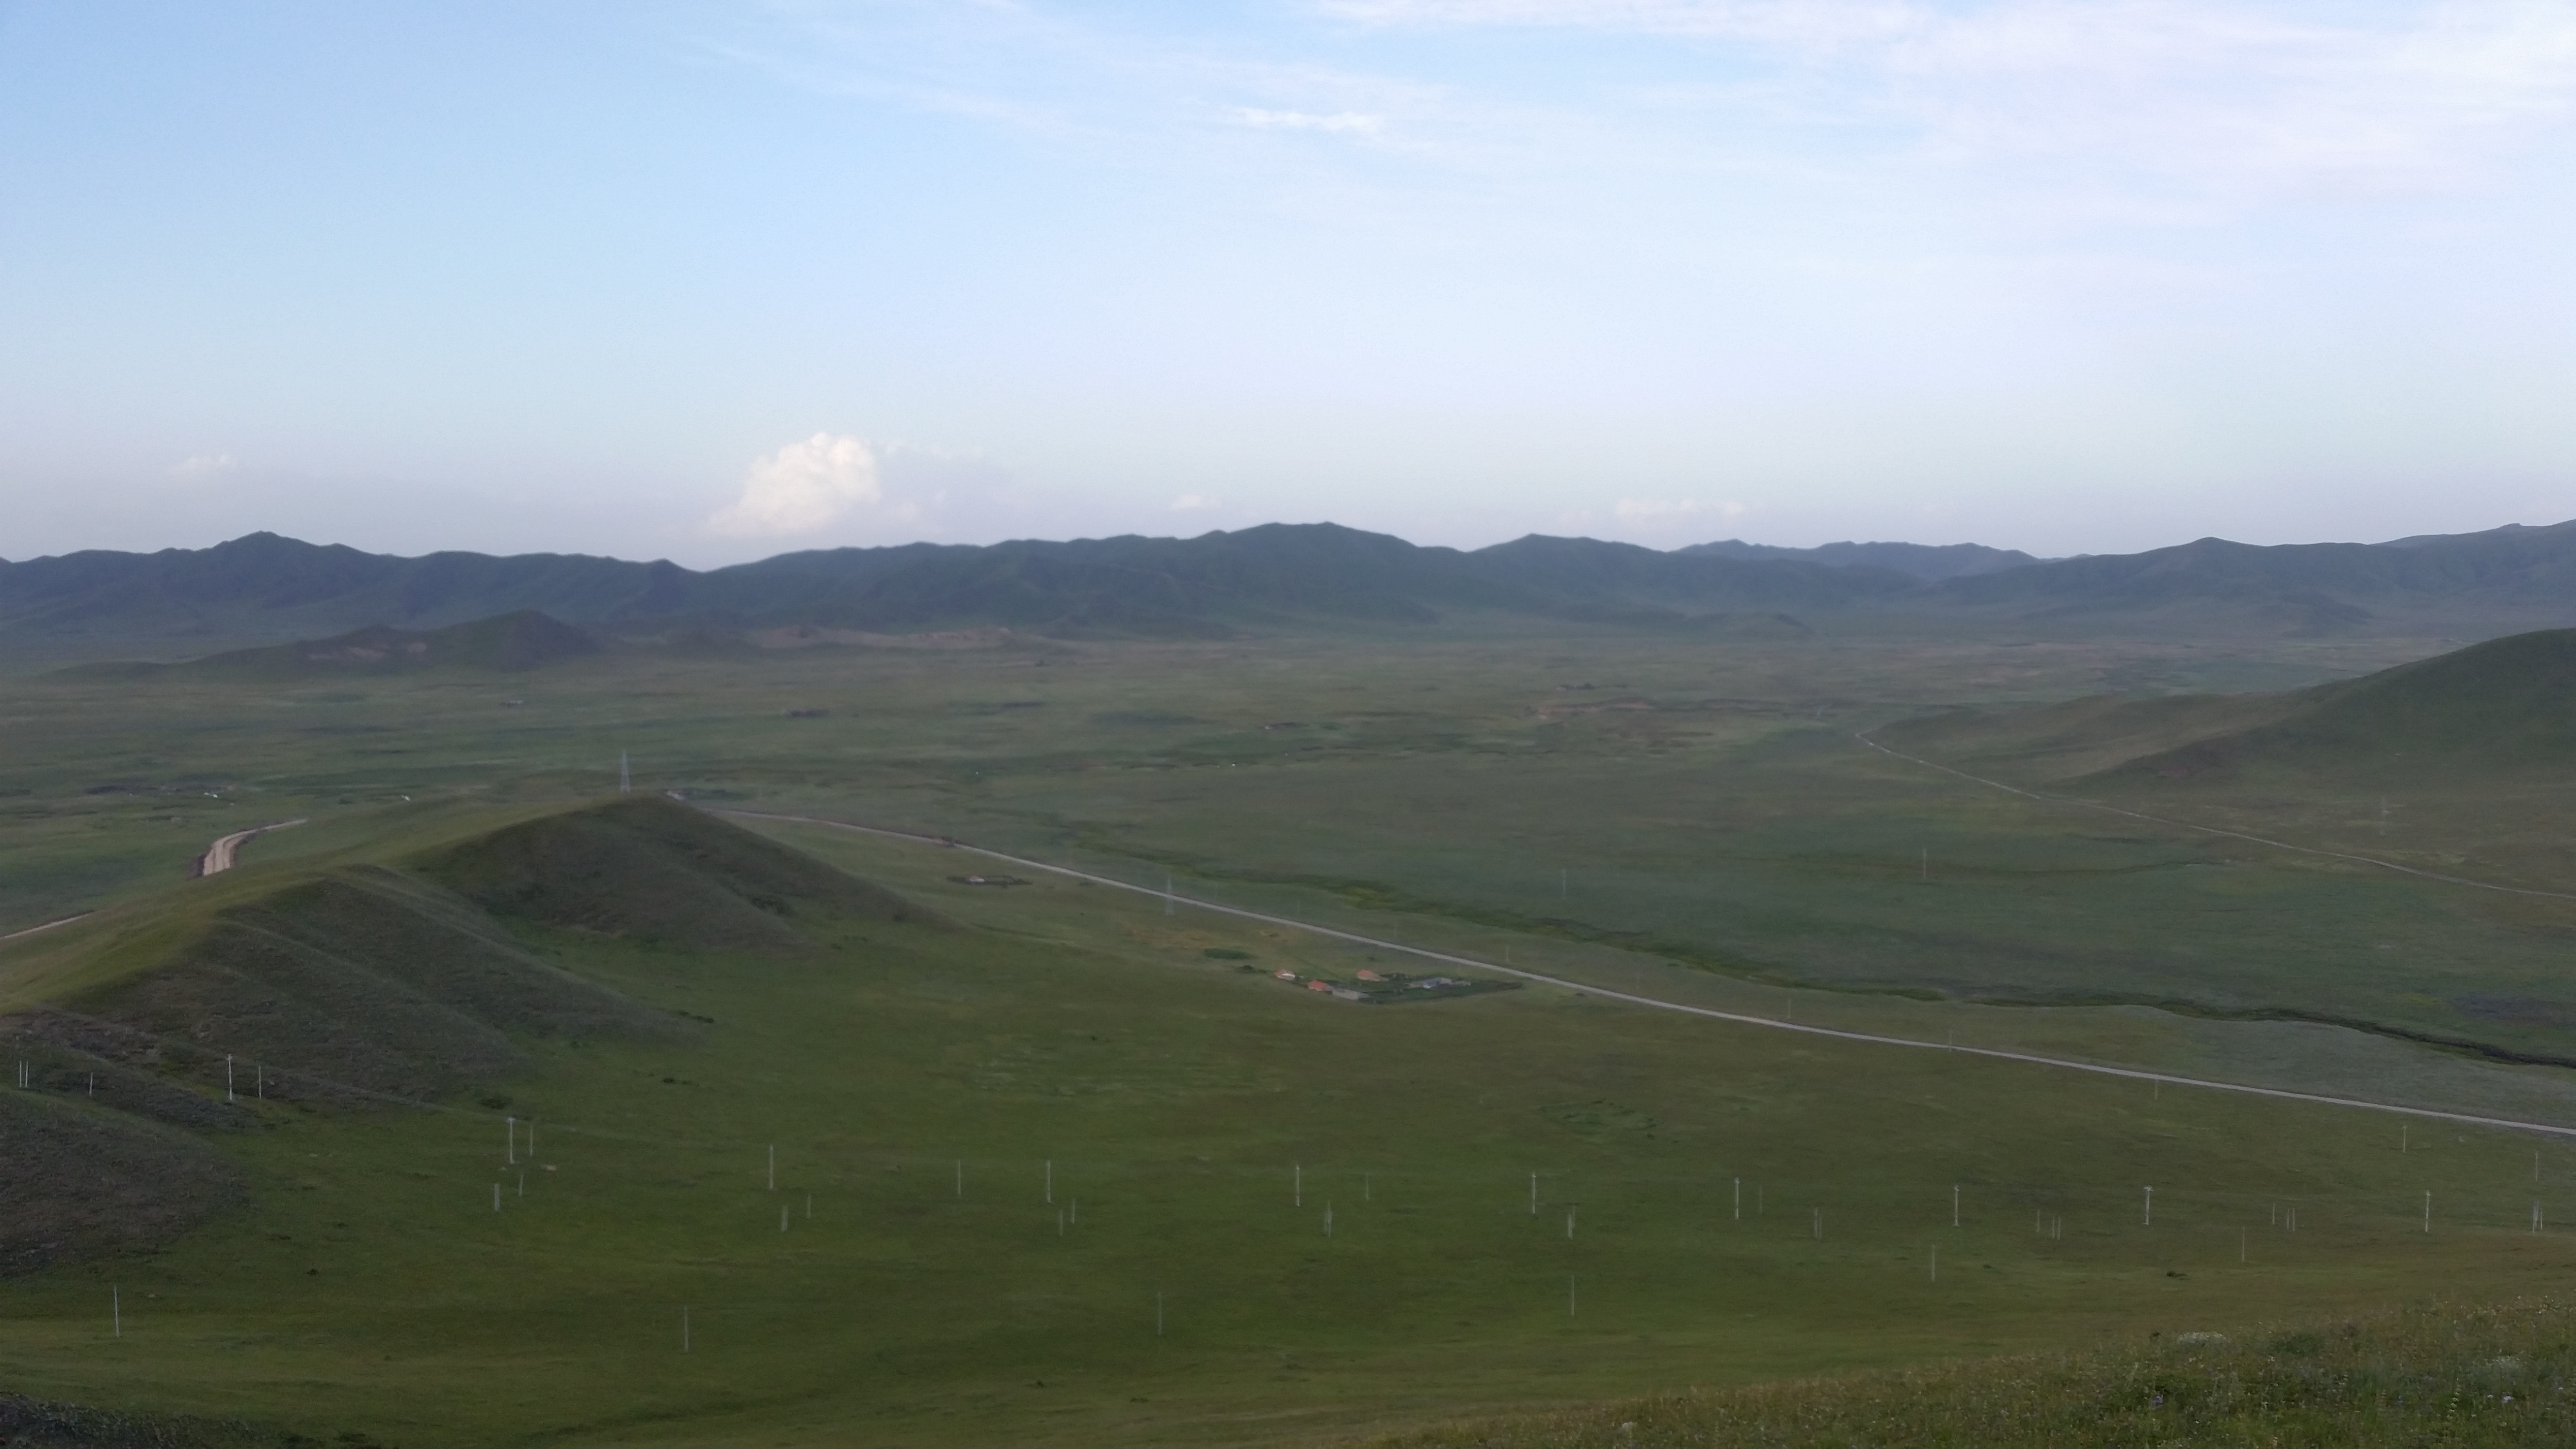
(263, 587)
(1924, 561)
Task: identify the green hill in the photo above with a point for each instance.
(647, 870)
(361, 985)
(2502, 705)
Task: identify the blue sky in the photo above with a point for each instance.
(713, 281)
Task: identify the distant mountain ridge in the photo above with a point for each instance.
(265, 587)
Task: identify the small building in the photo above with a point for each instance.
(1319, 986)
(1368, 975)
(1285, 975)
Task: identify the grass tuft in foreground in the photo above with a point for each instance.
(2440, 1375)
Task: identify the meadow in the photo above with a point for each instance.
(1696, 825)
(938, 1098)
(1662, 801)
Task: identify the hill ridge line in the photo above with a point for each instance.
(2210, 829)
(1996, 1053)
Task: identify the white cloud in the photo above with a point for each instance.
(1192, 502)
(802, 488)
(205, 465)
(1341, 122)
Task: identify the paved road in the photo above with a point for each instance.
(219, 856)
(1647, 1001)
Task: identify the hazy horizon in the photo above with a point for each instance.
(1185, 535)
(714, 281)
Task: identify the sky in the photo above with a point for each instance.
(712, 281)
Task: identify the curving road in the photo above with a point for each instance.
(219, 857)
(1740, 1018)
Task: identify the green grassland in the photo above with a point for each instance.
(1695, 821)
(2446, 1375)
(928, 1088)
(1705, 803)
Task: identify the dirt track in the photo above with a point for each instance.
(219, 857)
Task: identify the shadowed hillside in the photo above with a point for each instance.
(364, 985)
(655, 872)
(79, 1181)
(526, 639)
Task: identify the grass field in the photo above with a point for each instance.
(1697, 824)
(1195, 1121)
(2449, 1375)
(1700, 803)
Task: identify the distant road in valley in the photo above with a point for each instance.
(1772, 1023)
(47, 926)
(219, 857)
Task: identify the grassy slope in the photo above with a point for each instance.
(2504, 707)
(2507, 705)
(373, 1285)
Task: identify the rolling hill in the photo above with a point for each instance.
(359, 986)
(2504, 705)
